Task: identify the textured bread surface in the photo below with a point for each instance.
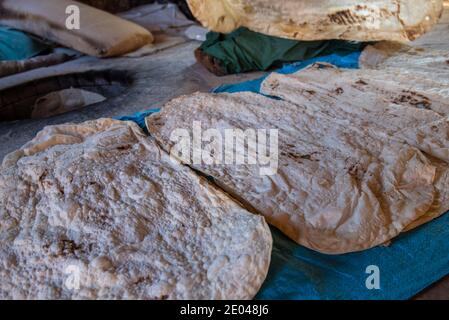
(100, 33)
(102, 202)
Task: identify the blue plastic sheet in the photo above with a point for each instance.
(410, 264)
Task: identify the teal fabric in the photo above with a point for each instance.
(410, 264)
(139, 118)
(244, 50)
(16, 45)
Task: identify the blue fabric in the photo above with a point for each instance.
(16, 45)
(410, 264)
(139, 118)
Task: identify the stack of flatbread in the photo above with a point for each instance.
(363, 154)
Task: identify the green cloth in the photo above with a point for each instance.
(244, 50)
(16, 45)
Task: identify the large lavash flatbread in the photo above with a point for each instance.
(422, 69)
(104, 198)
(424, 72)
(337, 188)
(100, 33)
(369, 20)
(390, 104)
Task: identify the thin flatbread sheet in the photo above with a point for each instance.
(336, 189)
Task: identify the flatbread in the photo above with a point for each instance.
(386, 104)
(337, 189)
(102, 202)
(369, 20)
(421, 69)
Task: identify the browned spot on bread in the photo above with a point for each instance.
(345, 17)
(361, 82)
(413, 98)
(339, 91)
